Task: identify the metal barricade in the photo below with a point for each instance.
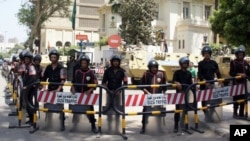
(141, 100)
(217, 93)
(69, 98)
(20, 104)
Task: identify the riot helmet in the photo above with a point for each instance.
(21, 54)
(153, 63)
(206, 49)
(28, 54)
(84, 57)
(54, 52)
(115, 57)
(184, 60)
(37, 57)
(240, 49)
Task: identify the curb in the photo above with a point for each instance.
(223, 132)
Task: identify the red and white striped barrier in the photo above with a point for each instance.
(67, 98)
(143, 100)
(99, 70)
(223, 92)
(179, 98)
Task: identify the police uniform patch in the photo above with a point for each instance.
(88, 78)
(158, 80)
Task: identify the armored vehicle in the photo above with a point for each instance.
(135, 60)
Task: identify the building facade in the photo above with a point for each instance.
(57, 31)
(184, 23)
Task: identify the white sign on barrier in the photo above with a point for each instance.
(221, 92)
(66, 98)
(156, 99)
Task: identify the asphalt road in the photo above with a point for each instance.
(50, 131)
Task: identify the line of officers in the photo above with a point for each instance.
(28, 67)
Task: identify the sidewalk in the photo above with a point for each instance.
(222, 128)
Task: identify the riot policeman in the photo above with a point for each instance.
(150, 77)
(114, 77)
(36, 61)
(84, 75)
(239, 67)
(181, 76)
(55, 72)
(29, 76)
(207, 69)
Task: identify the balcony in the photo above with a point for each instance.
(192, 22)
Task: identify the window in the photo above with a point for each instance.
(207, 12)
(183, 44)
(92, 1)
(185, 10)
(103, 20)
(86, 10)
(94, 23)
(179, 44)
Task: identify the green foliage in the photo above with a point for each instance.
(231, 21)
(4, 55)
(103, 41)
(136, 19)
(15, 49)
(66, 50)
(33, 15)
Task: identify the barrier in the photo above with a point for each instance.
(147, 100)
(217, 93)
(69, 98)
(19, 104)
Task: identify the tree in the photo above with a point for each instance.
(15, 49)
(33, 14)
(136, 18)
(231, 21)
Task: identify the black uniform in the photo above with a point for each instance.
(183, 77)
(29, 77)
(239, 66)
(56, 75)
(149, 78)
(206, 71)
(114, 80)
(85, 77)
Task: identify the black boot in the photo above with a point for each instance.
(62, 118)
(176, 127)
(93, 128)
(142, 129)
(235, 115)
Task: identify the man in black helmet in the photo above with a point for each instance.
(84, 75)
(114, 77)
(207, 69)
(150, 77)
(37, 61)
(29, 76)
(55, 72)
(181, 76)
(239, 67)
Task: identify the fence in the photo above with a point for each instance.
(158, 100)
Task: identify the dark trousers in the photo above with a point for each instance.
(90, 117)
(32, 99)
(177, 115)
(236, 105)
(144, 117)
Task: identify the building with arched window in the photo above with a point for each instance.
(184, 23)
(57, 31)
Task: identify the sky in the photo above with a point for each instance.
(9, 25)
